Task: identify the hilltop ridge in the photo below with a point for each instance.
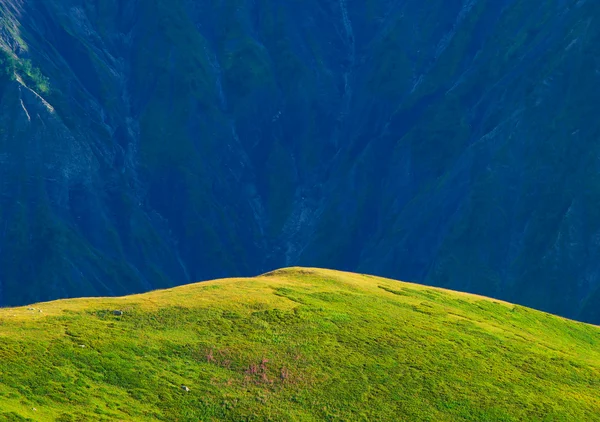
(296, 344)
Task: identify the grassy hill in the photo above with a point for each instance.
(296, 344)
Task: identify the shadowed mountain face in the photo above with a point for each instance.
(150, 143)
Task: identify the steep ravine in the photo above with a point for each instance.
(149, 144)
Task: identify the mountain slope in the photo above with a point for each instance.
(148, 144)
(296, 344)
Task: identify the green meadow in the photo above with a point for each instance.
(296, 344)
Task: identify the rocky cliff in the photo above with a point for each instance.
(150, 143)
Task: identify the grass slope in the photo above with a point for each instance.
(296, 344)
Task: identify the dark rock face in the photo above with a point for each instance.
(150, 143)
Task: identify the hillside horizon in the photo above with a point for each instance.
(296, 344)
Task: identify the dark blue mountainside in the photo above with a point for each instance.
(150, 143)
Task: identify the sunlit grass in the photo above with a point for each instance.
(296, 344)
